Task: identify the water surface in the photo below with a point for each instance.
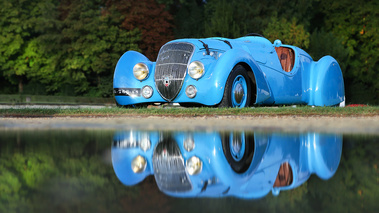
(71, 171)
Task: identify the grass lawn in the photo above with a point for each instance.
(41, 99)
(304, 111)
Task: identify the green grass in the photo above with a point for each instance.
(41, 99)
(303, 111)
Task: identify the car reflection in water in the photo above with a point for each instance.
(215, 164)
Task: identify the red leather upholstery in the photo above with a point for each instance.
(286, 58)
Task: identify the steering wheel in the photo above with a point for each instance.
(254, 34)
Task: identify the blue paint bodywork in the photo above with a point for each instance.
(312, 83)
(306, 153)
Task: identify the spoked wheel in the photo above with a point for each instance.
(239, 150)
(237, 91)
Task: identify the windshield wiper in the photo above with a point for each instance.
(206, 47)
(228, 43)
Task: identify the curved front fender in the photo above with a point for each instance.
(124, 68)
(124, 79)
(235, 56)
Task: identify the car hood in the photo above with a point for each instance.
(225, 44)
(213, 43)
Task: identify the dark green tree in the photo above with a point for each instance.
(289, 32)
(189, 18)
(236, 18)
(325, 43)
(92, 42)
(221, 22)
(56, 43)
(18, 31)
(42, 52)
(356, 24)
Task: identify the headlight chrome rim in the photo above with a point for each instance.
(145, 143)
(194, 165)
(147, 92)
(140, 71)
(191, 91)
(139, 164)
(189, 144)
(196, 70)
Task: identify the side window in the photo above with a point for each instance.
(286, 58)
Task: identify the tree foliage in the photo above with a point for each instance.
(289, 32)
(71, 47)
(358, 30)
(92, 40)
(17, 23)
(221, 22)
(66, 171)
(189, 19)
(59, 43)
(151, 18)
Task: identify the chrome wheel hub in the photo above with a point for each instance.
(238, 93)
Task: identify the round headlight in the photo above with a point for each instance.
(145, 143)
(140, 71)
(194, 165)
(139, 164)
(191, 91)
(189, 144)
(196, 69)
(147, 91)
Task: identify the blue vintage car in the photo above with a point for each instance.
(218, 164)
(228, 73)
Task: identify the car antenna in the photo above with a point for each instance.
(206, 47)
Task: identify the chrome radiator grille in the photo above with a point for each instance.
(170, 68)
(169, 170)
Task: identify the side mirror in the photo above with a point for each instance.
(277, 43)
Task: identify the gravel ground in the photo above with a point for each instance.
(51, 106)
(354, 125)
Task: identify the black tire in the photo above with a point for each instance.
(229, 98)
(190, 105)
(134, 106)
(242, 165)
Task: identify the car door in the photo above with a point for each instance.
(283, 72)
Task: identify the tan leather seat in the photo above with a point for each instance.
(286, 58)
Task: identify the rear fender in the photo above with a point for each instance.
(322, 153)
(326, 83)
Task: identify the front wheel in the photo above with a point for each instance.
(238, 149)
(237, 91)
(133, 106)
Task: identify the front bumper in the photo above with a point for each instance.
(209, 92)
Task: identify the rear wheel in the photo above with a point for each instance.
(237, 91)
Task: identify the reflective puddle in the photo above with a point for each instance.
(187, 171)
